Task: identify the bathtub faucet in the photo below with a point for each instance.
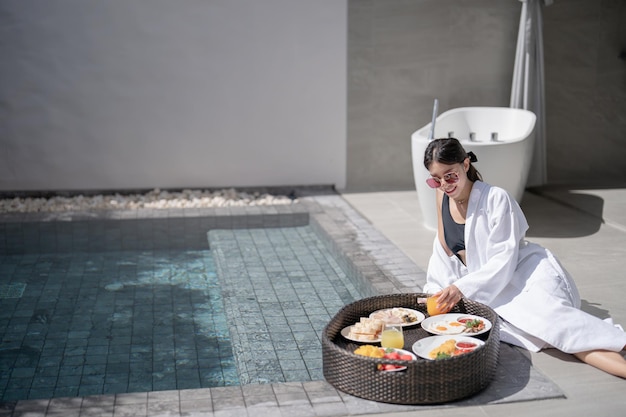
(431, 135)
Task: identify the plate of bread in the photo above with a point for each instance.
(365, 330)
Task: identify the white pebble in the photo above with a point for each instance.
(156, 199)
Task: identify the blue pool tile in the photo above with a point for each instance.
(137, 315)
(89, 390)
(90, 337)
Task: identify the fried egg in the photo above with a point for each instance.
(445, 327)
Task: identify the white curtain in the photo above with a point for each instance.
(527, 90)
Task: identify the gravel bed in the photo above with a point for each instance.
(155, 199)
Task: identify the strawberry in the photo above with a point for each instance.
(393, 355)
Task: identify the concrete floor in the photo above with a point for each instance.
(586, 229)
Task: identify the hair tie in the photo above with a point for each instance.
(472, 156)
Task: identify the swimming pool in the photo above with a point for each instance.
(360, 259)
(119, 306)
(94, 319)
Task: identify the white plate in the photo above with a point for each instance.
(423, 347)
(388, 313)
(444, 320)
(402, 352)
(345, 332)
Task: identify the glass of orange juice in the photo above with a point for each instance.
(431, 306)
(392, 337)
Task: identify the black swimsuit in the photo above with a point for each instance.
(453, 232)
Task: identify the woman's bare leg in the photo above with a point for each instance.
(605, 360)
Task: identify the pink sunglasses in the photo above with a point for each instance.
(449, 178)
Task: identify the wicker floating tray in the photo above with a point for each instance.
(424, 381)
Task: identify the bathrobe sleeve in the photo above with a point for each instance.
(494, 230)
(443, 270)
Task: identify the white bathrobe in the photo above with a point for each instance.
(522, 281)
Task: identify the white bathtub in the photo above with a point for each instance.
(504, 163)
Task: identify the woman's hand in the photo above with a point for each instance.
(448, 297)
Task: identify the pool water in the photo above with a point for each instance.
(111, 322)
(281, 287)
(109, 307)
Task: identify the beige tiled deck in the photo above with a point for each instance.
(586, 229)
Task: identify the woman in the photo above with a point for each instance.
(480, 253)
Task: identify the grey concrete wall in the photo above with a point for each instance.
(172, 94)
(586, 92)
(404, 53)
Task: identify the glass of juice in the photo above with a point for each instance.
(431, 306)
(392, 337)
